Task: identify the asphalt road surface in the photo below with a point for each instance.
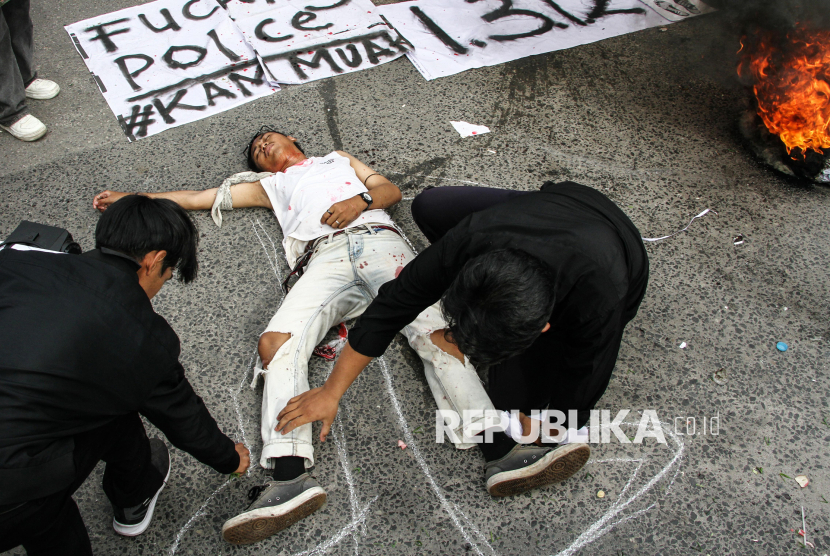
(649, 119)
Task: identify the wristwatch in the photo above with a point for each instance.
(367, 198)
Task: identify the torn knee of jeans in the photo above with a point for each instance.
(272, 346)
(261, 368)
(258, 370)
(442, 351)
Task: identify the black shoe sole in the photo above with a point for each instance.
(555, 467)
(257, 525)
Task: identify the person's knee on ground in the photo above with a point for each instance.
(269, 345)
(420, 209)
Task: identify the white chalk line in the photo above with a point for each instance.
(358, 514)
(273, 247)
(601, 526)
(347, 530)
(267, 256)
(339, 437)
(477, 532)
(275, 265)
(412, 444)
(700, 215)
(234, 396)
(199, 513)
(339, 441)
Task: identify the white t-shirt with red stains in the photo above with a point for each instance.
(304, 192)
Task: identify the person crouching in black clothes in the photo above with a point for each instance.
(536, 288)
(83, 355)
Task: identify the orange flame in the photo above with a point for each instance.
(792, 86)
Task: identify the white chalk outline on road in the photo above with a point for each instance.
(596, 530)
(450, 509)
(599, 527)
(201, 511)
(275, 264)
(461, 522)
(438, 178)
(359, 514)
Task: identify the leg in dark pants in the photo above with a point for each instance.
(437, 210)
(16, 54)
(53, 525)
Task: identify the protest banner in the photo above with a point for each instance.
(168, 63)
(451, 36)
(298, 41)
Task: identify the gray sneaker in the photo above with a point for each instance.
(529, 466)
(274, 506)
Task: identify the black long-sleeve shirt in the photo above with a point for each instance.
(80, 345)
(599, 268)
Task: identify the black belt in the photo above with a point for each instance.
(302, 262)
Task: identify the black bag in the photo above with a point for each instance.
(46, 237)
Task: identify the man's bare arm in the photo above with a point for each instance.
(384, 195)
(244, 195)
(321, 404)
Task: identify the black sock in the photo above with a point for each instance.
(287, 468)
(499, 448)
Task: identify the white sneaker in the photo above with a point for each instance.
(42, 89)
(27, 128)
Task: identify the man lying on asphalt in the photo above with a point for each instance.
(537, 287)
(330, 210)
(83, 354)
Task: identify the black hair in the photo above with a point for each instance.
(248, 152)
(136, 224)
(498, 305)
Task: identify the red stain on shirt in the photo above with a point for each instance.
(398, 271)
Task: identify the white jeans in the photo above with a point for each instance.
(341, 279)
